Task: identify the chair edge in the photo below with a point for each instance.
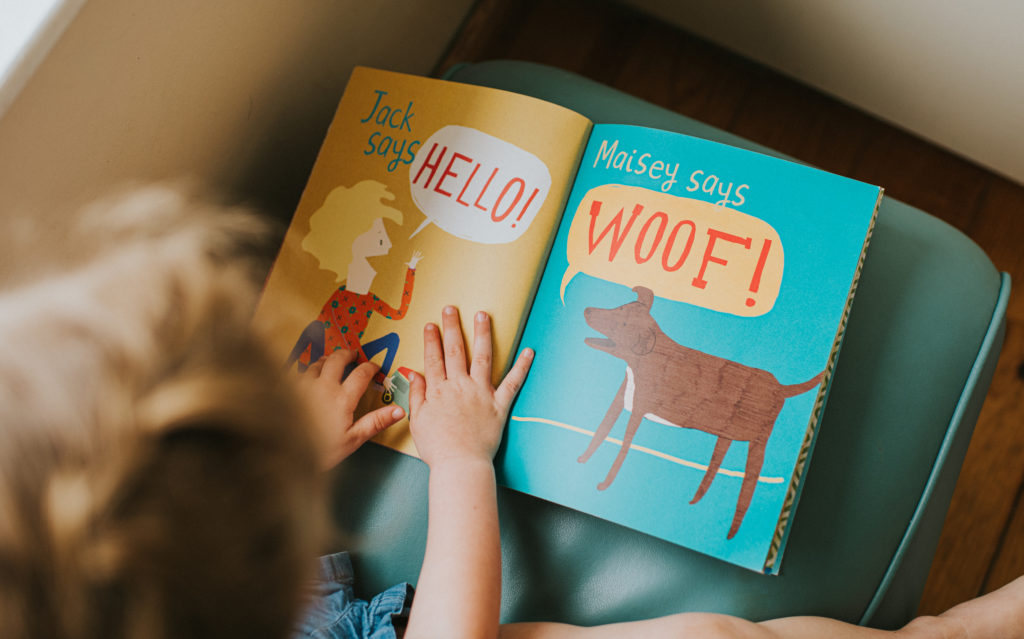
(978, 379)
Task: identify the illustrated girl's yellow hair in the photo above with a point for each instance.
(347, 213)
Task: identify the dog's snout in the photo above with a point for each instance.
(593, 316)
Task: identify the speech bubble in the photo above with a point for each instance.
(682, 249)
(476, 186)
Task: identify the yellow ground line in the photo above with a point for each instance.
(649, 451)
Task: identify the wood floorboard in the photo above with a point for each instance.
(923, 175)
(999, 229)
(680, 75)
(788, 117)
(982, 544)
(1009, 560)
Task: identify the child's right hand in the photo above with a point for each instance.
(332, 398)
(456, 414)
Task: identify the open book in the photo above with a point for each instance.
(686, 299)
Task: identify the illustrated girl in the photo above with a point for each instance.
(357, 211)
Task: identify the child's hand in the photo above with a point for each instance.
(457, 414)
(332, 403)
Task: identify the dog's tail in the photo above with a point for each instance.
(792, 390)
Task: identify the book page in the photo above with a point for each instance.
(425, 193)
(683, 328)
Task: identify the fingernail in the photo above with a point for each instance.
(527, 353)
(449, 310)
(397, 413)
(431, 327)
(481, 316)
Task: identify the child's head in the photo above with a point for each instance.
(157, 478)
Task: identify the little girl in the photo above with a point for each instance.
(160, 474)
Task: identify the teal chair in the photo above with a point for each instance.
(924, 334)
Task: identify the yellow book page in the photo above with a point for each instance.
(425, 193)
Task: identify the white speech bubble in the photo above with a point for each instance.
(476, 186)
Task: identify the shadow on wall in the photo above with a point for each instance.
(236, 94)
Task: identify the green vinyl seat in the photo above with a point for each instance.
(922, 342)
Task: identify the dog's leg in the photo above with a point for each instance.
(721, 447)
(755, 459)
(635, 418)
(606, 424)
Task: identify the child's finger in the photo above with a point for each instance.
(335, 364)
(375, 422)
(454, 345)
(311, 372)
(417, 392)
(317, 367)
(433, 357)
(359, 379)
(509, 386)
(480, 369)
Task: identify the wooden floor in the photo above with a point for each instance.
(982, 545)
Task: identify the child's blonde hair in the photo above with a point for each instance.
(157, 478)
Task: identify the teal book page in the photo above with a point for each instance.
(684, 325)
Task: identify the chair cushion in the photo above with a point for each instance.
(921, 344)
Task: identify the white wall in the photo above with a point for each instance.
(951, 72)
(236, 92)
(28, 29)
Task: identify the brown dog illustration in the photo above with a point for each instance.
(671, 384)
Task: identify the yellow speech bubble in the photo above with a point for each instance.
(682, 249)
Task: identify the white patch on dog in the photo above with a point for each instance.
(627, 400)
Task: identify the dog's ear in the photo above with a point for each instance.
(644, 295)
(644, 343)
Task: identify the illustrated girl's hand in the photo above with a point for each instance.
(415, 259)
(332, 403)
(456, 413)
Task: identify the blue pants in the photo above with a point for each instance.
(313, 339)
(388, 342)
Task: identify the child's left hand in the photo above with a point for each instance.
(332, 403)
(457, 415)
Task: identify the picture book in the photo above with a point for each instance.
(686, 299)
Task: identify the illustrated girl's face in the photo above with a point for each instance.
(373, 242)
